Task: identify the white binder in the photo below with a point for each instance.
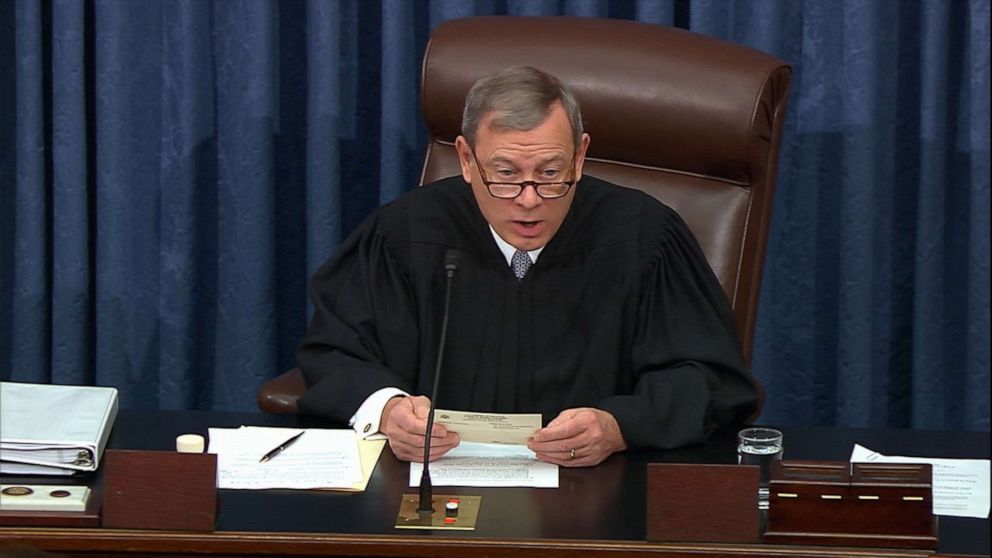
(54, 429)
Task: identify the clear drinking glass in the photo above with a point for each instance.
(760, 446)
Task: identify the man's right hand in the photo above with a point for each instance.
(404, 420)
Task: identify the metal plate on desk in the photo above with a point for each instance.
(465, 520)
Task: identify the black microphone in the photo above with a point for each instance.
(452, 259)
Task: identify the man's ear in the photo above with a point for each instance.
(464, 157)
(580, 156)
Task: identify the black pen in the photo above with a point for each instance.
(281, 447)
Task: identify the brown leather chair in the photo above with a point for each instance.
(693, 120)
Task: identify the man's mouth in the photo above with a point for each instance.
(528, 228)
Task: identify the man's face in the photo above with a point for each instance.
(543, 154)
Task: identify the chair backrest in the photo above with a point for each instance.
(692, 120)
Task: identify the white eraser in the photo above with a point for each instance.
(189, 443)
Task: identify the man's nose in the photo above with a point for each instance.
(528, 196)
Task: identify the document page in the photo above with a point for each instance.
(489, 428)
(321, 458)
(475, 464)
(960, 486)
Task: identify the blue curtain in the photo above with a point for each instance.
(172, 171)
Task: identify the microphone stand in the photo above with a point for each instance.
(466, 508)
(426, 507)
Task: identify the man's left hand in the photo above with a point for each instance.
(578, 438)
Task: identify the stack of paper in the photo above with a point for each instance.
(479, 464)
(960, 487)
(52, 429)
(492, 452)
(320, 458)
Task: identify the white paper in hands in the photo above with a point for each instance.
(474, 464)
(960, 486)
(489, 428)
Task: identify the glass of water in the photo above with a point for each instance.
(760, 446)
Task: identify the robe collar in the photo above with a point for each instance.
(507, 249)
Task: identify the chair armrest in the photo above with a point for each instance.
(280, 394)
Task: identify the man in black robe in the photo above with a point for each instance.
(616, 329)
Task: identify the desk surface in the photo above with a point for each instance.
(595, 510)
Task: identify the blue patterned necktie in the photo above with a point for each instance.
(520, 263)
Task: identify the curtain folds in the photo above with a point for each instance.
(173, 171)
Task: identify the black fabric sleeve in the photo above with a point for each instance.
(363, 311)
(690, 377)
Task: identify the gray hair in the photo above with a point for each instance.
(519, 98)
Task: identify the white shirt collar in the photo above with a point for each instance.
(507, 249)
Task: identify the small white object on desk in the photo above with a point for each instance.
(189, 443)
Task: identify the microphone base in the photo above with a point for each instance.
(463, 520)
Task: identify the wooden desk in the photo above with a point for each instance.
(595, 512)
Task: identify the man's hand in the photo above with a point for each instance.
(578, 438)
(404, 420)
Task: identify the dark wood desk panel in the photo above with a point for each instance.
(596, 511)
(105, 542)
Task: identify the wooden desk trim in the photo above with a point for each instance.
(123, 542)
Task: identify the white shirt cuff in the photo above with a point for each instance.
(365, 421)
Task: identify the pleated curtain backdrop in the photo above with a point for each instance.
(172, 172)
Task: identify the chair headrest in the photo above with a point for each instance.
(651, 95)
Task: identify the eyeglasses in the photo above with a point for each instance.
(510, 190)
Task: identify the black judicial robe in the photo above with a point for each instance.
(621, 312)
